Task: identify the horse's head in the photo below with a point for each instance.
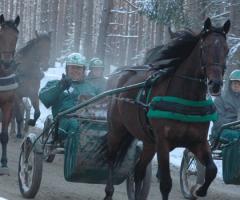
(213, 53)
(8, 40)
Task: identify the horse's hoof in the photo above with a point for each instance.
(194, 190)
(4, 171)
(31, 122)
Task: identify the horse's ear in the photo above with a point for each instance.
(1, 19)
(207, 24)
(17, 21)
(36, 34)
(226, 26)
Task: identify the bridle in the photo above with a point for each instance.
(203, 64)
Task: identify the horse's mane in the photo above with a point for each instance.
(30, 43)
(177, 50)
(10, 24)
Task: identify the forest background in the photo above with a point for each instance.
(118, 31)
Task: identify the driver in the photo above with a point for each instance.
(228, 104)
(96, 67)
(68, 92)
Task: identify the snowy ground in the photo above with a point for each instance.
(56, 73)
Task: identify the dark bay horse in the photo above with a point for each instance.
(8, 84)
(32, 60)
(198, 68)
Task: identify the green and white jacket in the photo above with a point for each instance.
(53, 96)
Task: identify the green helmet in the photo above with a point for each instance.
(96, 62)
(235, 75)
(76, 59)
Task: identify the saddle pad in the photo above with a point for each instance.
(8, 83)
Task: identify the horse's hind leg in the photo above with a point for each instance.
(13, 126)
(35, 103)
(140, 169)
(115, 139)
(203, 153)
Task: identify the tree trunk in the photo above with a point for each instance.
(11, 9)
(60, 27)
(68, 29)
(140, 33)
(53, 29)
(78, 13)
(159, 34)
(44, 16)
(88, 49)
(101, 44)
(235, 16)
(132, 40)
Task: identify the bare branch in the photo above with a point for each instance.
(135, 7)
(123, 36)
(124, 11)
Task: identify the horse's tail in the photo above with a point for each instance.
(124, 146)
(126, 143)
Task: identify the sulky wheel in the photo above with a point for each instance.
(29, 170)
(146, 184)
(192, 172)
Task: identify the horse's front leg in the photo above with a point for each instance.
(7, 112)
(163, 168)
(203, 153)
(140, 169)
(18, 107)
(35, 103)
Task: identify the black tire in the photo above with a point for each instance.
(146, 184)
(29, 190)
(192, 172)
